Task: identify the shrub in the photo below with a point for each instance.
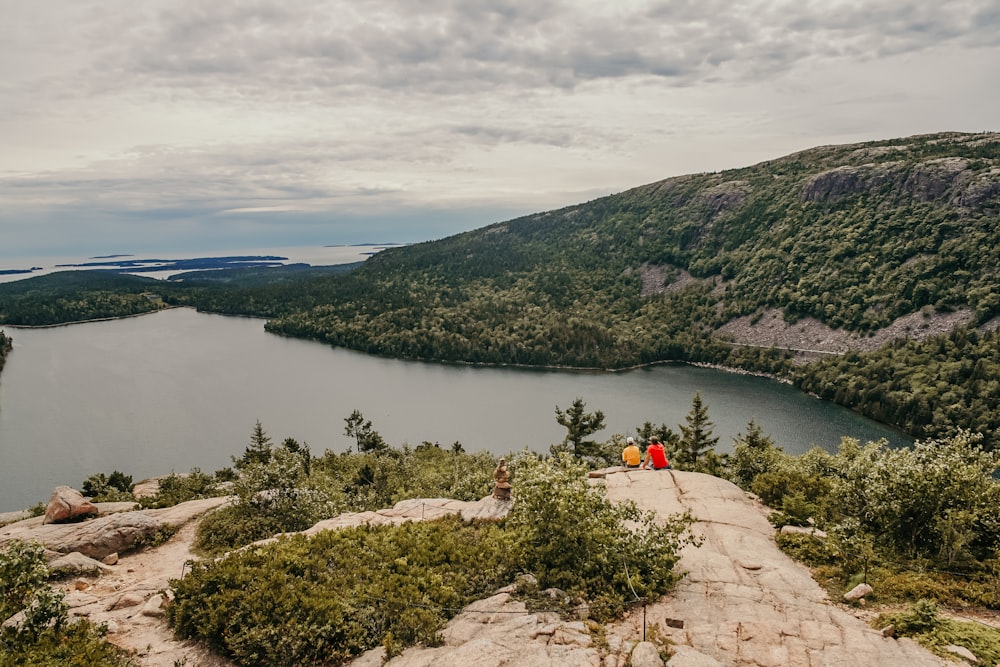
(923, 623)
(936, 500)
(176, 489)
(272, 497)
(43, 638)
(572, 537)
(808, 549)
(325, 599)
(111, 488)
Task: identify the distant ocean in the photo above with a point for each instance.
(312, 255)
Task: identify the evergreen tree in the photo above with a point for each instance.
(579, 424)
(697, 440)
(754, 453)
(366, 438)
(302, 449)
(670, 440)
(259, 449)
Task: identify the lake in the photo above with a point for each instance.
(178, 389)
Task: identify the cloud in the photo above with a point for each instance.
(221, 112)
(262, 52)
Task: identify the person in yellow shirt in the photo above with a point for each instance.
(631, 456)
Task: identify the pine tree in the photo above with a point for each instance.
(696, 437)
(579, 425)
(259, 449)
(367, 438)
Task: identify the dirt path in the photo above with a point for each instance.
(139, 626)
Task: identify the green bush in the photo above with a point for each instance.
(271, 497)
(573, 538)
(926, 625)
(808, 549)
(111, 488)
(176, 488)
(325, 599)
(44, 637)
(936, 500)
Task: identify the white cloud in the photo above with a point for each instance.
(161, 116)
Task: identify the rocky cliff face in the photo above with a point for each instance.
(950, 179)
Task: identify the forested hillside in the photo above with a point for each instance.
(851, 237)
(72, 296)
(854, 236)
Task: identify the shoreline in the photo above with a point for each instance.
(96, 319)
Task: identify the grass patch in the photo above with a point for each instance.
(925, 625)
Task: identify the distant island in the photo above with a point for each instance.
(14, 272)
(195, 264)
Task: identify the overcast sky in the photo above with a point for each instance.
(136, 126)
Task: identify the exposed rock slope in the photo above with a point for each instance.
(741, 603)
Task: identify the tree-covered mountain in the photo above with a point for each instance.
(854, 236)
(849, 238)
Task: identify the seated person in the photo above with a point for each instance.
(655, 455)
(631, 455)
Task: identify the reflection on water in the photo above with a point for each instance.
(179, 389)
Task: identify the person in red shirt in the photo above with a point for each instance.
(655, 455)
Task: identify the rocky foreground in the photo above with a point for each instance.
(742, 601)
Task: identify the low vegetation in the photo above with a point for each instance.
(43, 635)
(327, 598)
(924, 623)
(918, 524)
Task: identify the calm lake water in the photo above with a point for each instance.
(178, 389)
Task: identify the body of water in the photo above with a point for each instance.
(178, 389)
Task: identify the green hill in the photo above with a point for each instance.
(858, 244)
(851, 237)
(854, 236)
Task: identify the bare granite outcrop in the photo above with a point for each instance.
(742, 602)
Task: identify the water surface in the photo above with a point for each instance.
(177, 389)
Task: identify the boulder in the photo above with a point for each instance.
(75, 564)
(803, 530)
(128, 599)
(645, 654)
(154, 606)
(858, 592)
(685, 656)
(68, 504)
(96, 538)
(14, 622)
(487, 509)
(963, 653)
